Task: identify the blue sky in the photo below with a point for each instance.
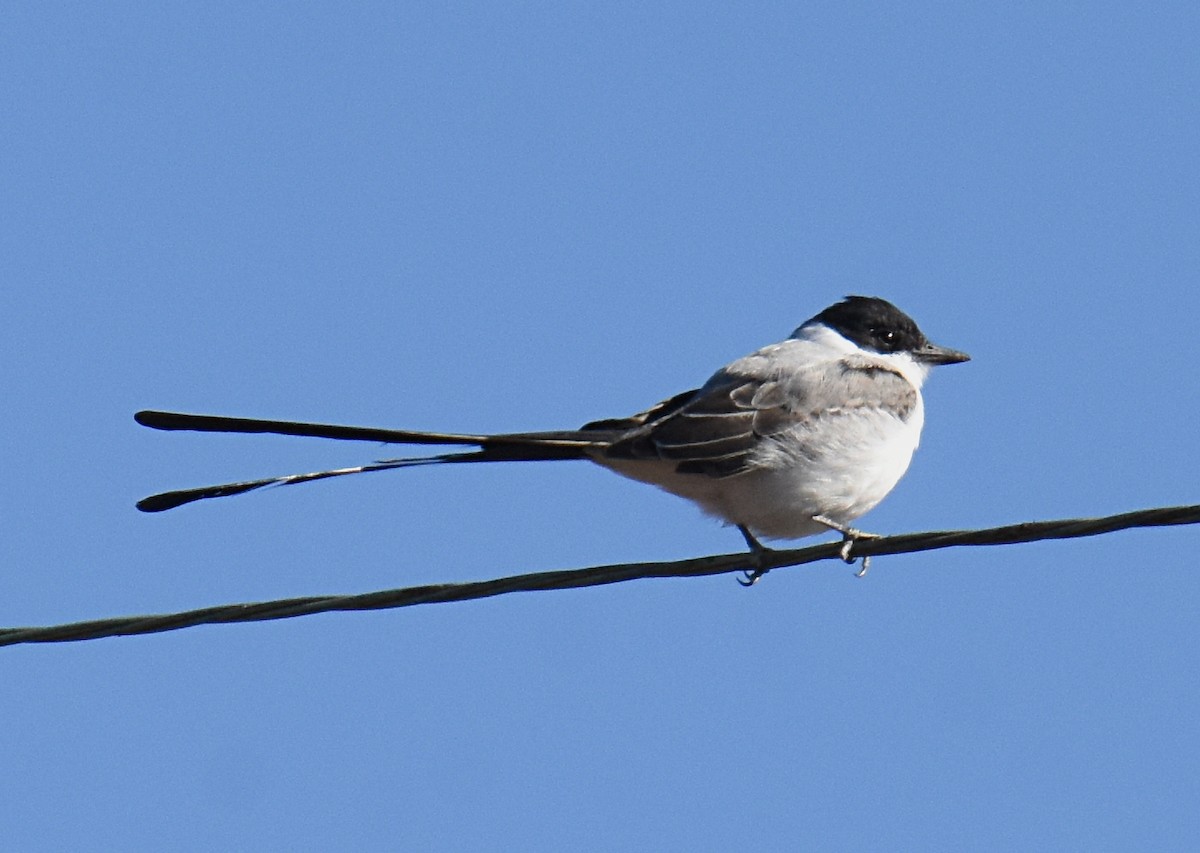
(513, 216)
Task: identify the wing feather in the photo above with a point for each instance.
(718, 429)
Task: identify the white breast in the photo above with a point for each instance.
(839, 463)
(865, 454)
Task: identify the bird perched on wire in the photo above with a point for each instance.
(804, 435)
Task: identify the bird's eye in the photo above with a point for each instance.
(887, 340)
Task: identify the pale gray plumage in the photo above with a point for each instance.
(810, 426)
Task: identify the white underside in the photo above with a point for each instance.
(866, 456)
(851, 459)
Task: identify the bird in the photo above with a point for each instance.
(799, 437)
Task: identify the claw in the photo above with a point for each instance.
(757, 551)
(850, 535)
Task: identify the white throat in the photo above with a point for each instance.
(820, 335)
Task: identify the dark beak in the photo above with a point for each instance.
(933, 354)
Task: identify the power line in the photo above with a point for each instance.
(905, 543)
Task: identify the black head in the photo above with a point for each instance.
(879, 326)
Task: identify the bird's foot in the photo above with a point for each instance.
(850, 535)
(757, 551)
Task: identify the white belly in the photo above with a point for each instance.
(861, 457)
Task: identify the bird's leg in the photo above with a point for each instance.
(757, 551)
(850, 535)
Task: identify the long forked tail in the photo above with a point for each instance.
(570, 444)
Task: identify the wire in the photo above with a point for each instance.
(905, 543)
